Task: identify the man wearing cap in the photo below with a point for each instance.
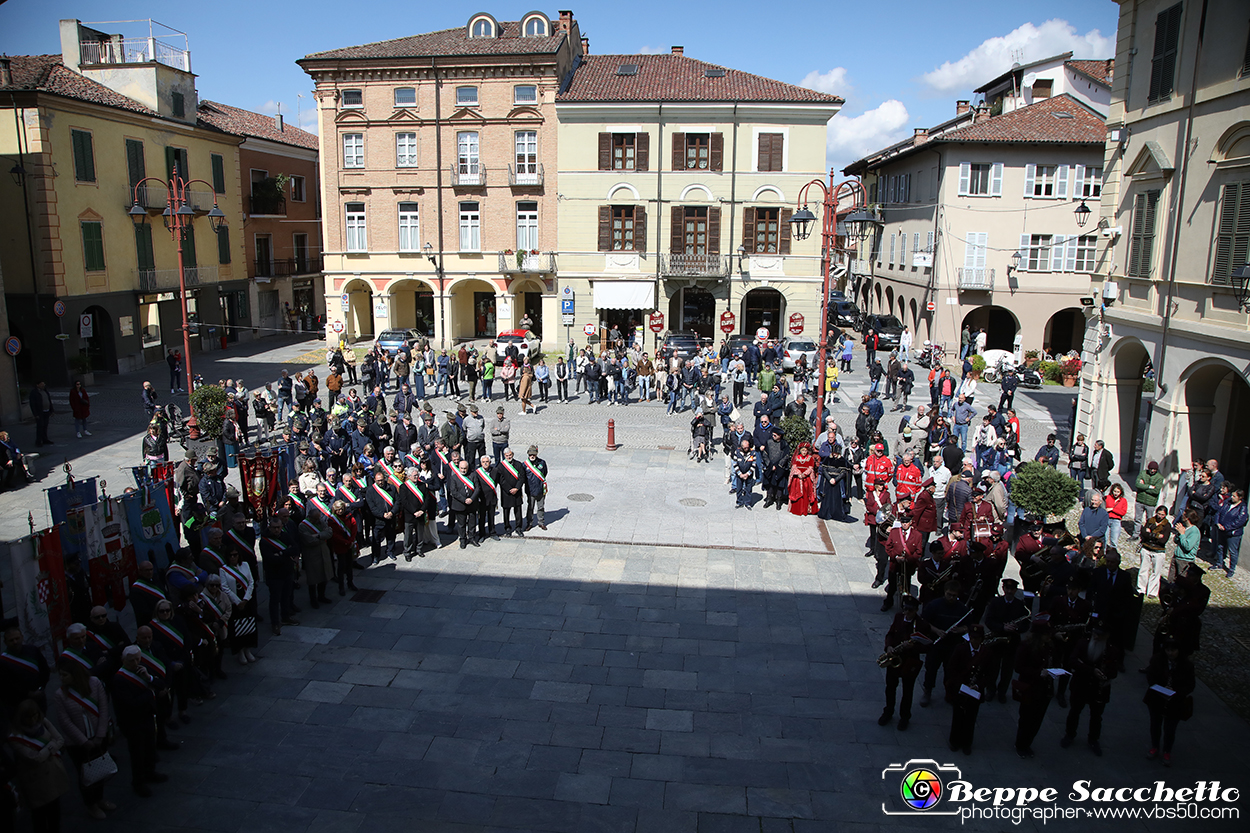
(500, 429)
(775, 468)
(1094, 662)
(907, 638)
(877, 468)
(535, 489)
(1169, 670)
(903, 547)
(1034, 687)
(976, 521)
(134, 699)
(1006, 616)
(450, 432)
(405, 436)
(947, 616)
(1149, 482)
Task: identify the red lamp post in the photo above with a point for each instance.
(177, 216)
(859, 224)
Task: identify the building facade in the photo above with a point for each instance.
(1176, 212)
(677, 182)
(438, 178)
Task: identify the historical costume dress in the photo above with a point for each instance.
(803, 481)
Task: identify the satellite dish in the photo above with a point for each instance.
(1029, 79)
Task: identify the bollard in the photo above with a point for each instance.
(612, 446)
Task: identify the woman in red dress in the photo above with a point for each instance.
(803, 481)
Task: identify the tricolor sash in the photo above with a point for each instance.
(311, 525)
(386, 496)
(276, 543)
(103, 641)
(88, 705)
(511, 470)
(321, 506)
(486, 476)
(151, 589)
(26, 740)
(178, 568)
(441, 458)
(14, 659)
(468, 484)
(299, 501)
(170, 632)
(132, 678)
(217, 611)
(153, 663)
(218, 561)
(538, 474)
(243, 544)
(351, 496)
(238, 577)
(71, 654)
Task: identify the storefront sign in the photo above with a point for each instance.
(727, 322)
(796, 324)
(656, 321)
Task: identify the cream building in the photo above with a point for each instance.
(677, 180)
(1176, 214)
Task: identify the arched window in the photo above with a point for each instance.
(482, 27)
(535, 27)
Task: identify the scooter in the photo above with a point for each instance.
(1029, 378)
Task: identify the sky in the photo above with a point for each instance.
(900, 64)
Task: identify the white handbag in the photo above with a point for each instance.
(97, 769)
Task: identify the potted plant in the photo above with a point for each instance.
(1070, 369)
(1042, 492)
(80, 366)
(1031, 357)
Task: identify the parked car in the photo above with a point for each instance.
(738, 344)
(792, 348)
(888, 328)
(844, 314)
(684, 343)
(392, 340)
(526, 341)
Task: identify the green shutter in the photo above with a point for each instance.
(219, 177)
(143, 247)
(1232, 242)
(188, 247)
(93, 246)
(178, 156)
(171, 156)
(135, 166)
(84, 161)
(223, 245)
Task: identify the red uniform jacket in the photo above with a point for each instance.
(907, 479)
(924, 512)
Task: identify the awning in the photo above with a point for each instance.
(625, 295)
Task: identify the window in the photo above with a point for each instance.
(357, 238)
(1232, 236)
(526, 226)
(84, 156)
(975, 248)
(690, 236)
(1142, 240)
(976, 180)
(299, 242)
(176, 160)
(470, 227)
(179, 105)
(622, 228)
(353, 99)
(468, 163)
(902, 250)
(767, 234)
(219, 173)
(409, 228)
(405, 96)
(483, 27)
(525, 94)
(698, 151)
(769, 157)
(1045, 181)
(1088, 182)
(526, 157)
(298, 193)
(1086, 249)
(405, 150)
(1038, 256)
(353, 150)
(223, 245)
(93, 245)
(189, 258)
(1163, 61)
(1245, 61)
(891, 250)
(623, 151)
(535, 27)
(136, 167)
(466, 96)
(1042, 88)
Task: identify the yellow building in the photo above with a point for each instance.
(89, 125)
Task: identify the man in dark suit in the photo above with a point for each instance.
(487, 498)
(134, 698)
(1111, 593)
(41, 408)
(511, 479)
(1101, 463)
(23, 672)
(462, 503)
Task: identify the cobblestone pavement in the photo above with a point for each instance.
(645, 663)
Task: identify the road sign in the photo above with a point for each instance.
(589, 329)
(12, 345)
(568, 320)
(566, 291)
(930, 306)
(59, 308)
(656, 321)
(796, 324)
(727, 322)
(762, 334)
(86, 326)
(61, 336)
(337, 326)
(566, 306)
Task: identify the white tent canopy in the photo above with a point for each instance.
(624, 295)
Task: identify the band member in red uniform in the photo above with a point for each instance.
(1035, 687)
(903, 548)
(970, 666)
(906, 641)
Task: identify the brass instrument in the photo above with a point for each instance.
(1062, 632)
(893, 657)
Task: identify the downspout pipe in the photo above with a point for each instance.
(438, 172)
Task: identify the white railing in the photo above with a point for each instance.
(134, 51)
(978, 278)
(160, 280)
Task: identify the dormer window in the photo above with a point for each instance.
(353, 99)
(482, 26)
(535, 26)
(466, 96)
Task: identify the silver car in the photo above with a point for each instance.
(792, 348)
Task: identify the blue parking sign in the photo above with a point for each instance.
(566, 306)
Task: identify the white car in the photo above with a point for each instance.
(792, 348)
(526, 341)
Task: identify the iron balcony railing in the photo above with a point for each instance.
(286, 267)
(468, 175)
(703, 266)
(542, 262)
(974, 279)
(165, 280)
(266, 204)
(525, 175)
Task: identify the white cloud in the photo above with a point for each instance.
(651, 50)
(994, 56)
(833, 82)
(854, 138)
(270, 107)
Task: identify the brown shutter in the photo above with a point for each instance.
(642, 151)
(640, 228)
(713, 230)
(778, 142)
(605, 151)
(716, 153)
(764, 158)
(784, 231)
(748, 229)
(679, 151)
(677, 234)
(605, 228)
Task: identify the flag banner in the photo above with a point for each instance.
(286, 465)
(39, 588)
(147, 476)
(259, 474)
(62, 503)
(110, 553)
(152, 527)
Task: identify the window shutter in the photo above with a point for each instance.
(677, 230)
(1078, 182)
(1056, 253)
(642, 151)
(223, 245)
(928, 242)
(1061, 182)
(219, 176)
(605, 228)
(679, 151)
(763, 160)
(1024, 251)
(143, 246)
(171, 156)
(716, 152)
(970, 251)
(891, 261)
(605, 151)
(1069, 254)
(713, 230)
(996, 180)
(965, 178)
(902, 250)
(640, 228)
(1030, 174)
(1134, 247)
(748, 229)
(134, 164)
(1163, 61)
(983, 241)
(93, 246)
(1148, 233)
(785, 231)
(778, 143)
(188, 247)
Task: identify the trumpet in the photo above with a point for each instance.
(893, 657)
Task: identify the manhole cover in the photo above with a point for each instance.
(368, 596)
(581, 498)
(692, 501)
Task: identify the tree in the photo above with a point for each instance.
(208, 403)
(1040, 490)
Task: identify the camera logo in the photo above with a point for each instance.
(921, 786)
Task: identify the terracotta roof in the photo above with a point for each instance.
(46, 74)
(239, 122)
(677, 78)
(1100, 71)
(1061, 119)
(447, 42)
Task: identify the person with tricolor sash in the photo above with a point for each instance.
(238, 584)
(511, 479)
(462, 504)
(380, 506)
(535, 489)
(83, 717)
(217, 613)
(145, 593)
(343, 545)
(170, 633)
(314, 533)
(108, 638)
(161, 669)
(415, 504)
(23, 672)
(488, 498)
(134, 698)
(41, 776)
(279, 553)
(80, 651)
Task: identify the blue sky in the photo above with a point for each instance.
(899, 63)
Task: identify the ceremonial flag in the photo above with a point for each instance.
(39, 587)
(110, 552)
(153, 531)
(63, 501)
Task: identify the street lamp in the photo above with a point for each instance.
(1241, 286)
(18, 173)
(1082, 213)
(438, 269)
(177, 217)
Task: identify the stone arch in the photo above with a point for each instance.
(914, 317)
(1128, 362)
(888, 309)
(623, 186)
(412, 304)
(690, 193)
(764, 307)
(1217, 402)
(101, 348)
(1065, 331)
(768, 193)
(472, 306)
(359, 316)
(1001, 326)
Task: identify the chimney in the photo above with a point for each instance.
(961, 107)
(585, 46)
(278, 119)
(6, 74)
(922, 136)
(566, 21)
(679, 50)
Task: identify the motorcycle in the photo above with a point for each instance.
(1030, 378)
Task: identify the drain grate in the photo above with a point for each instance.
(581, 497)
(368, 596)
(692, 501)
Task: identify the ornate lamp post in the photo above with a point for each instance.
(177, 216)
(859, 224)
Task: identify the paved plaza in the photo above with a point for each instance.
(654, 661)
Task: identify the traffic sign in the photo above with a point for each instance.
(86, 325)
(12, 345)
(656, 321)
(566, 291)
(568, 320)
(762, 334)
(930, 306)
(337, 326)
(61, 336)
(796, 324)
(727, 322)
(59, 308)
(566, 306)
(589, 329)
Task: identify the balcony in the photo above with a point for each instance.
(462, 175)
(542, 262)
(266, 204)
(975, 280)
(156, 198)
(694, 266)
(264, 270)
(529, 175)
(166, 280)
(119, 49)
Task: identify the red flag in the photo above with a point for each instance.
(50, 585)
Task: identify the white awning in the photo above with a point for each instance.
(625, 295)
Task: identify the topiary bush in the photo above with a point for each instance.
(1040, 490)
(978, 365)
(796, 430)
(208, 404)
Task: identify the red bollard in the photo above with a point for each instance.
(612, 446)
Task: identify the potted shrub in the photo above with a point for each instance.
(1069, 370)
(1042, 492)
(1031, 357)
(978, 365)
(80, 366)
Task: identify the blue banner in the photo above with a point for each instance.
(152, 527)
(62, 500)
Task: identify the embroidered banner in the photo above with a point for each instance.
(62, 503)
(39, 588)
(152, 529)
(111, 562)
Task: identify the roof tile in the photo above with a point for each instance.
(238, 122)
(1101, 71)
(46, 73)
(1061, 119)
(447, 42)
